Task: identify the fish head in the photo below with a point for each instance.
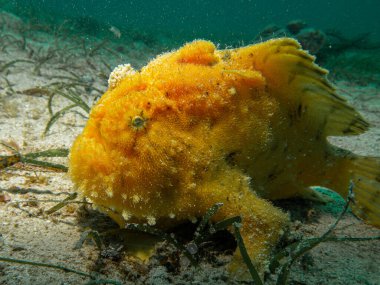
(129, 149)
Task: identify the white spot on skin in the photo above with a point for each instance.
(191, 186)
(124, 196)
(173, 170)
(109, 192)
(136, 199)
(126, 215)
(171, 215)
(151, 220)
(232, 91)
(94, 194)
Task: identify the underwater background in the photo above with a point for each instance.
(226, 22)
(345, 32)
(55, 59)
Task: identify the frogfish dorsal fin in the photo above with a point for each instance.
(294, 78)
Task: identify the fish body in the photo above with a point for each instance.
(200, 126)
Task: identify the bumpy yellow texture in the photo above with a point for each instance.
(199, 126)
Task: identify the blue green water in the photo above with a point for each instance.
(223, 21)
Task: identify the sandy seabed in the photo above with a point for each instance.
(47, 62)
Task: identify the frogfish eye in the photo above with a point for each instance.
(138, 122)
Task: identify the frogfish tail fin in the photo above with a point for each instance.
(364, 172)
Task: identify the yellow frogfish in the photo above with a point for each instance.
(199, 126)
